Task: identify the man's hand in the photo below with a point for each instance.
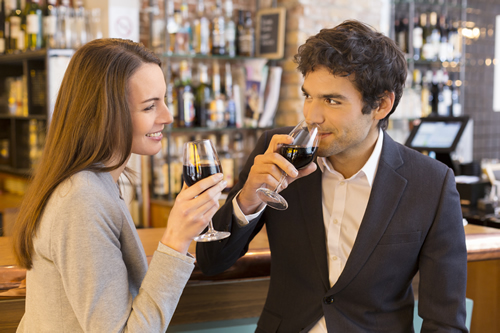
(267, 170)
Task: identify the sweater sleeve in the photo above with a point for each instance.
(87, 247)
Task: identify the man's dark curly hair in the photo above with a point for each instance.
(353, 47)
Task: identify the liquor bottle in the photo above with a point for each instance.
(31, 23)
(455, 39)
(456, 107)
(230, 114)
(175, 171)
(218, 34)
(402, 34)
(444, 46)
(240, 30)
(175, 30)
(426, 96)
(230, 30)
(427, 48)
(201, 36)
(50, 23)
(2, 27)
(80, 31)
(160, 188)
(15, 42)
(203, 96)
(172, 27)
(435, 36)
(184, 38)
(418, 38)
(216, 113)
(185, 96)
(227, 162)
(238, 155)
(65, 25)
(247, 38)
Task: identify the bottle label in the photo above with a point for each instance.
(32, 25)
(20, 40)
(15, 26)
(418, 40)
(49, 25)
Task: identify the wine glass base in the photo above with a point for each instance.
(272, 199)
(212, 236)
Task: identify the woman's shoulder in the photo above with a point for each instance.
(86, 187)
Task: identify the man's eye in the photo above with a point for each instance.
(331, 101)
(306, 95)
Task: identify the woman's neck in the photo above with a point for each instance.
(116, 173)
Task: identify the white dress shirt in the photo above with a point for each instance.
(344, 205)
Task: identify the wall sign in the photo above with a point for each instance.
(270, 41)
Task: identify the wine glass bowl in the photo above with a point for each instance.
(300, 153)
(200, 160)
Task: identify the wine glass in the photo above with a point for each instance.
(300, 153)
(200, 161)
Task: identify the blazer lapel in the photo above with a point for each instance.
(388, 186)
(312, 214)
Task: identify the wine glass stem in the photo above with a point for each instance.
(283, 176)
(211, 229)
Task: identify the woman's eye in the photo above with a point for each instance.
(151, 107)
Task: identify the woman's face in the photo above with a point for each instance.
(146, 97)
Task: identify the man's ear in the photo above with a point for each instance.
(385, 106)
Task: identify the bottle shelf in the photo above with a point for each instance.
(183, 130)
(8, 116)
(17, 57)
(455, 4)
(205, 57)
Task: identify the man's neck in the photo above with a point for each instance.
(348, 163)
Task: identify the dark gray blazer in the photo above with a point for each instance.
(413, 222)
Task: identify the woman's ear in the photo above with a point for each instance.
(385, 106)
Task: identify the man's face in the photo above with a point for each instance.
(335, 105)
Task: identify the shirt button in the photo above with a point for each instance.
(335, 221)
(334, 257)
(342, 183)
(329, 300)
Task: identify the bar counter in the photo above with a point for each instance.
(240, 292)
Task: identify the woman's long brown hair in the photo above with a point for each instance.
(91, 126)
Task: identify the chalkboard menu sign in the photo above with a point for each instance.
(271, 33)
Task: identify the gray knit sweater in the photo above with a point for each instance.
(90, 272)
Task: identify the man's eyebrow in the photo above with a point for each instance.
(333, 96)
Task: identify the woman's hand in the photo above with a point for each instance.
(267, 169)
(192, 210)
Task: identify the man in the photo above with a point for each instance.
(362, 219)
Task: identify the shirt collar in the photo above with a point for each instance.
(370, 167)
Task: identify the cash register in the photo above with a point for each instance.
(449, 140)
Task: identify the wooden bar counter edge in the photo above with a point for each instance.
(240, 292)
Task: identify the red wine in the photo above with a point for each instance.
(193, 174)
(299, 156)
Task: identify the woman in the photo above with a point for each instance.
(87, 271)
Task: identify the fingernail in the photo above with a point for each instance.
(224, 183)
(220, 176)
(295, 173)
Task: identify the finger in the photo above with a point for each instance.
(203, 185)
(274, 163)
(277, 140)
(206, 204)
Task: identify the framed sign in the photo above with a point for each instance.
(270, 41)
